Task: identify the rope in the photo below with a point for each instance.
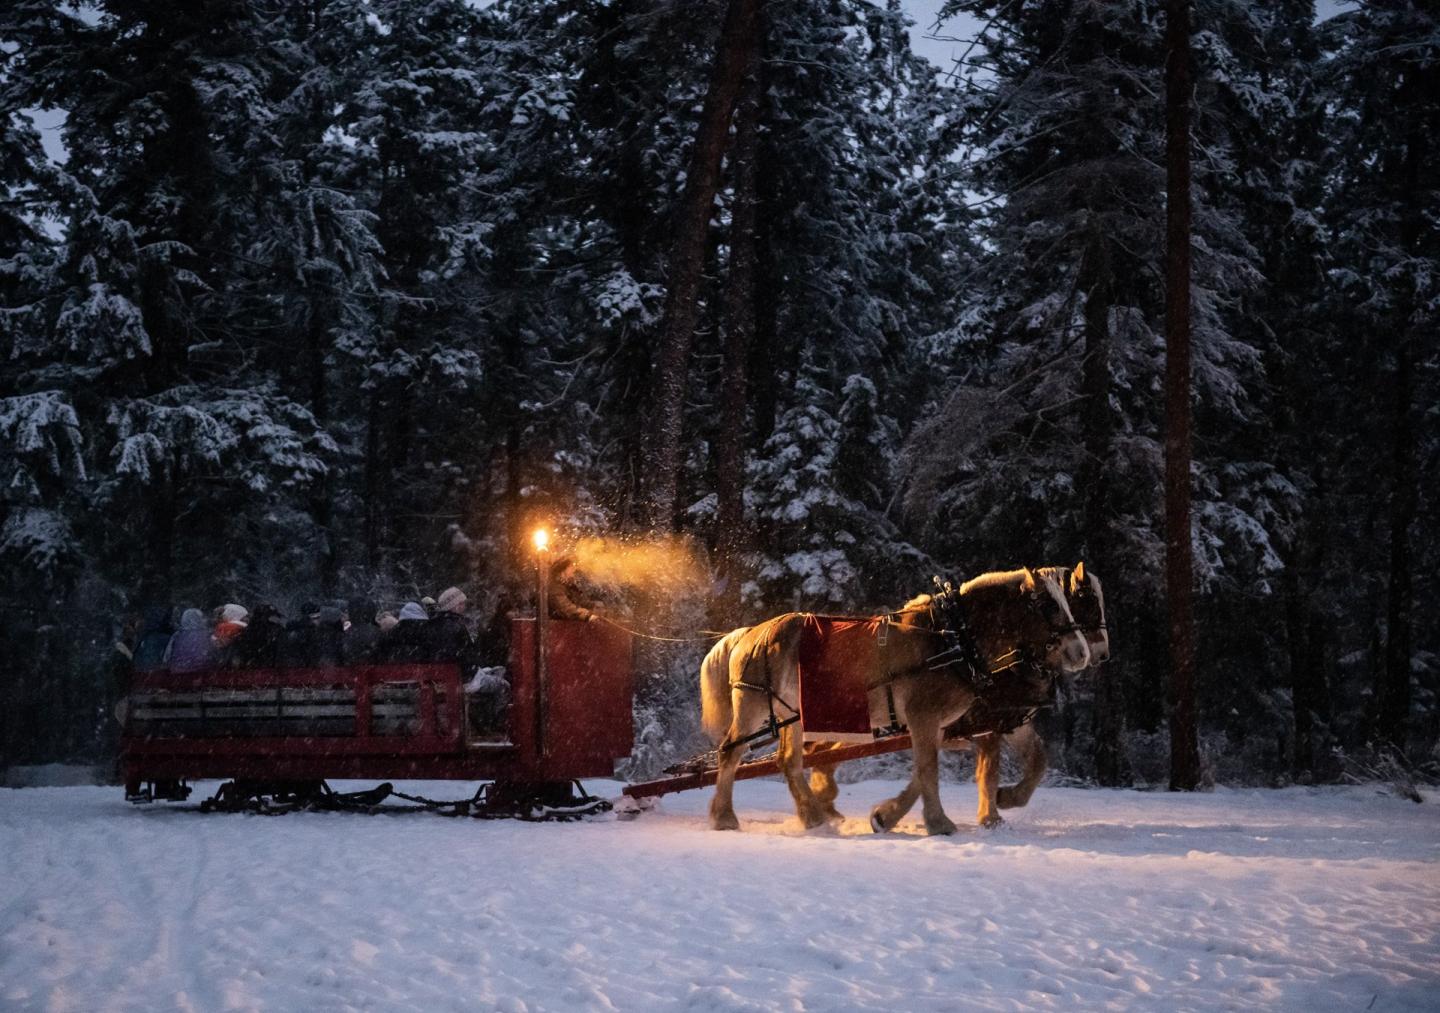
(709, 635)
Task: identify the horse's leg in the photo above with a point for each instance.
(925, 746)
(792, 765)
(722, 806)
(746, 718)
(1027, 742)
(987, 779)
(825, 789)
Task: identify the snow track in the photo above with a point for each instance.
(1323, 899)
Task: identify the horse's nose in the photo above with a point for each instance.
(1077, 653)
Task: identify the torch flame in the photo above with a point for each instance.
(541, 539)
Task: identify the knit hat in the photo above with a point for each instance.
(413, 612)
(233, 613)
(452, 599)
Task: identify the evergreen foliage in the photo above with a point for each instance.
(338, 298)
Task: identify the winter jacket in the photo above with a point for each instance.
(447, 638)
(226, 632)
(363, 636)
(563, 606)
(407, 642)
(262, 644)
(191, 648)
(154, 638)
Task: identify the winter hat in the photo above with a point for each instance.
(386, 621)
(192, 619)
(233, 613)
(452, 599)
(412, 611)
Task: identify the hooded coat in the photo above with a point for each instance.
(154, 638)
(191, 648)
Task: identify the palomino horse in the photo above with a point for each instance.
(1087, 603)
(932, 685)
(986, 726)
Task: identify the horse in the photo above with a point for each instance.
(933, 682)
(987, 730)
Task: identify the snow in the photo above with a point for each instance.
(1316, 899)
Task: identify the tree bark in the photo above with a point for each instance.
(1179, 564)
(738, 36)
(739, 337)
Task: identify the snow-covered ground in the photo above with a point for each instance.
(1313, 900)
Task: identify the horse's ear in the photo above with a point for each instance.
(1077, 576)
(1029, 583)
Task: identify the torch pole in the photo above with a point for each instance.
(542, 674)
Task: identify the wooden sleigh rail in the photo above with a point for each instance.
(816, 754)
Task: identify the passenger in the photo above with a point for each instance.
(155, 633)
(386, 621)
(495, 639)
(231, 623)
(406, 642)
(262, 643)
(363, 635)
(298, 647)
(563, 588)
(191, 648)
(447, 638)
(327, 639)
(122, 666)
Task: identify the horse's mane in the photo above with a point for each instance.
(919, 601)
(1000, 578)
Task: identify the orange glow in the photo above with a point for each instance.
(541, 539)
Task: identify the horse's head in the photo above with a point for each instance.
(1048, 621)
(1026, 609)
(1087, 604)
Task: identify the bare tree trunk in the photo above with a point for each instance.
(739, 336)
(738, 37)
(1108, 716)
(1393, 696)
(1179, 564)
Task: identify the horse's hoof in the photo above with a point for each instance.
(940, 827)
(877, 823)
(725, 821)
(992, 821)
(833, 815)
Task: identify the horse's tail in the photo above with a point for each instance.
(715, 704)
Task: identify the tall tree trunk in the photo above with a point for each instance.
(739, 336)
(1393, 696)
(322, 510)
(1179, 565)
(1108, 718)
(738, 36)
(373, 482)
